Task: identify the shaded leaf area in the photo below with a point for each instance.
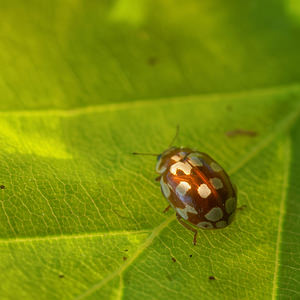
(66, 54)
(75, 201)
(289, 263)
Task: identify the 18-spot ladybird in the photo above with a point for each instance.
(197, 187)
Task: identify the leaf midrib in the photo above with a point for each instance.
(153, 101)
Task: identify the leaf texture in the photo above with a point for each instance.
(85, 83)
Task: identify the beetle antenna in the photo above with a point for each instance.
(138, 153)
(154, 154)
(175, 136)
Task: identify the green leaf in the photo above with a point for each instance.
(75, 200)
(84, 84)
(66, 54)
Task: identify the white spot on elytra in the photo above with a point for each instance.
(194, 160)
(176, 157)
(205, 225)
(179, 156)
(159, 168)
(230, 205)
(182, 188)
(215, 167)
(216, 183)
(221, 224)
(184, 167)
(215, 214)
(183, 211)
(204, 191)
(165, 188)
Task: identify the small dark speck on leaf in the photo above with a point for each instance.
(211, 278)
(174, 260)
(119, 214)
(191, 255)
(152, 60)
(242, 207)
(127, 279)
(126, 250)
(169, 277)
(2, 187)
(124, 258)
(236, 132)
(61, 275)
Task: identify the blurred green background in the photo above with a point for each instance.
(66, 54)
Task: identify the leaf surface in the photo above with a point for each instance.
(75, 200)
(66, 54)
(84, 84)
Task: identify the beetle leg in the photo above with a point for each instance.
(166, 209)
(187, 226)
(158, 178)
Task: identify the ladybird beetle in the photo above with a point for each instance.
(197, 187)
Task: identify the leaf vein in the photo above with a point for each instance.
(287, 157)
(148, 102)
(72, 236)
